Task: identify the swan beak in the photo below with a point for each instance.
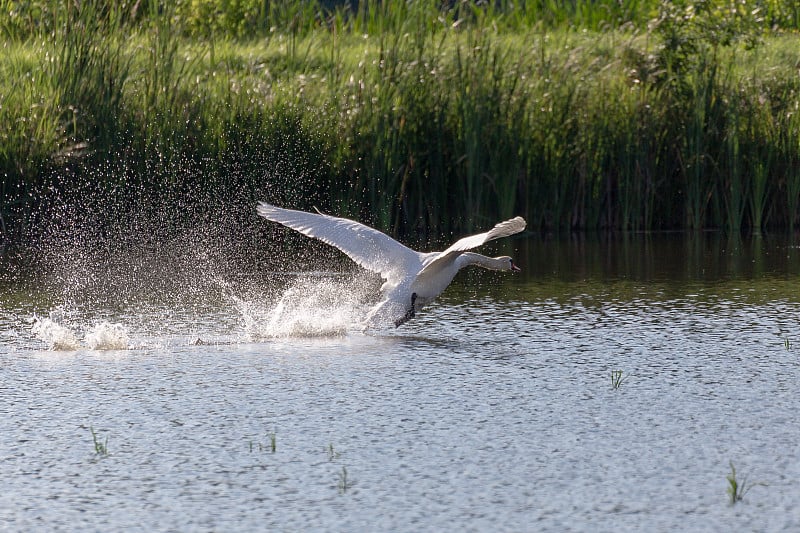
(515, 268)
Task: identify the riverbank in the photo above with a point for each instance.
(428, 127)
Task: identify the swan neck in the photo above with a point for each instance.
(491, 263)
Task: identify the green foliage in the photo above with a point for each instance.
(737, 489)
(394, 112)
(692, 30)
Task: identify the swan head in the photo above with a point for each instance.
(506, 263)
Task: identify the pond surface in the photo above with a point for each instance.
(494, 410)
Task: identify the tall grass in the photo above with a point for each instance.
(418, 117)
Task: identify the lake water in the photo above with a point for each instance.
(493, 410)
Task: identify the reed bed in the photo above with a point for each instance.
(420, 119)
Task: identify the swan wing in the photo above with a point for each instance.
(368, 247)
(501, 229)
(442, 259)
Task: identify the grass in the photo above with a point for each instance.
(344, 483)
(332, 453)
(418, 120)
(100, 446)
(617, 379)
(737, 489)
(272, 446)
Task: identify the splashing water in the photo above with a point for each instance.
(102, 336)
(309, 307)
(107, 336)
(58, 337)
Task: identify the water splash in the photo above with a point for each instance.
(309, 307)
(103, 335)
(57, 337)
(107, 336)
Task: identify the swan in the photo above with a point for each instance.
(412, 279)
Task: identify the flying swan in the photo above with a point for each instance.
(412, 279)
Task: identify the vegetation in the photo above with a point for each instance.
(344, 483)
(422, 118)
(617, 379)
(737, 489)
(100, 447)
(272, 446)
(332, 453)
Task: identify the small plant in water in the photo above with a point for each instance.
(617, 379)
(344, 483)
(100, 447)
(273, 444)
(332, 454)
(737, 489)
(787, 343)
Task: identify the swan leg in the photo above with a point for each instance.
(409, 314)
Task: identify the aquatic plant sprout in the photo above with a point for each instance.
(100, 446)
(738, 488)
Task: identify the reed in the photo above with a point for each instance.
(418, 118)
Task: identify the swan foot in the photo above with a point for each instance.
(409, 314)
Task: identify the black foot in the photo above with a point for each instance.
(409, 314)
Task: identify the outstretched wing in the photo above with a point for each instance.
(366, 246)
(502, 229)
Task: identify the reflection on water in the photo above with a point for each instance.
(711, 257)
(493, 410)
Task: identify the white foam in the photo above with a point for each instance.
(107, 336)
(58, 337)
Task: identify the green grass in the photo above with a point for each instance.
(617, 378)
(272, 445)
(420, 121)
(736, 488)
(100, 446)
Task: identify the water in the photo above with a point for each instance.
(491, 411)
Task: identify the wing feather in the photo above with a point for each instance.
(368, 247)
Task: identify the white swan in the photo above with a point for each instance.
(413, 279)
